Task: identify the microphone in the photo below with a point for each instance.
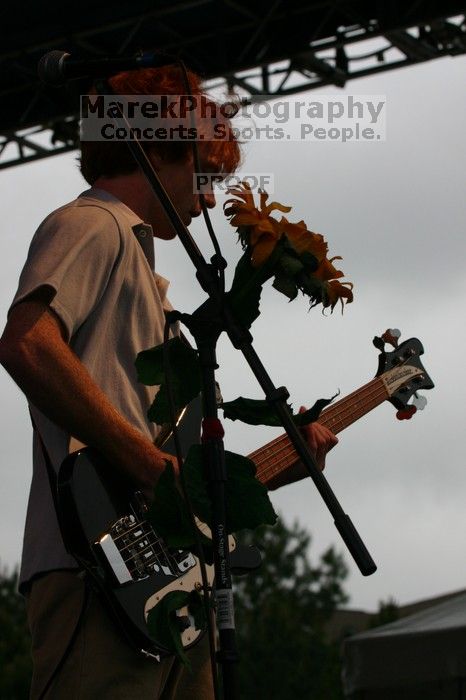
(56, 67)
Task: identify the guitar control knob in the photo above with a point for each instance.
(420, 402)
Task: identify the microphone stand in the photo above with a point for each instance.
(206, 324)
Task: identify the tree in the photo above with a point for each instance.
(15, 654)
(388, 612)
(280, 614)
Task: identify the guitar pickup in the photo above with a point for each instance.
(115, 560)
(133, 551)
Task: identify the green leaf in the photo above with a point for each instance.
(259, 412)
(251, 411)
(244, 295)
(290, 265)
(312, 414)
(168, 513)
(311, 286)
(196, 484)
(247, 501)
(196, 608)
(309, 261)
(245, 292)
(170, 518)
(185, 377)
(286, 286)
(163, 623)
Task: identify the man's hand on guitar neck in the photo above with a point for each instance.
(320, 440)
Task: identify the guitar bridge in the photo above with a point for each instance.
(134, 552)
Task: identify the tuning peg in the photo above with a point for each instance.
(406, 413)
(419, 402)
(391, 336)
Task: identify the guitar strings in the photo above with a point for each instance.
(338, 409)
(286, 455)
(160, 553)
(335, 409)
(338, 416)
(279, 460)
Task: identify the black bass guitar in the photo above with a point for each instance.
(104, 526)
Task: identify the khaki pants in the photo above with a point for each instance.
(63, 614)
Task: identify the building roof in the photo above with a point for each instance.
(428, 646)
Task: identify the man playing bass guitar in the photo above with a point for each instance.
(88, 301)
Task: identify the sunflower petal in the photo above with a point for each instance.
(275, 205)
(303, 240)
(263, 197)
(243, 217)
(243, 191)
(262, 250)
(263, 226)
(338, 291)
(326, 271)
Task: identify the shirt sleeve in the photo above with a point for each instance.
(72, 254)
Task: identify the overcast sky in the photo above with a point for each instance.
(395, 212)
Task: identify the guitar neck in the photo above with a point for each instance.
(277, 456)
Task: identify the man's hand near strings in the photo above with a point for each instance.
(320, 441)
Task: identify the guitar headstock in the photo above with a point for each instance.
(402, 372)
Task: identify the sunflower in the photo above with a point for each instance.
(256, 228)
(302, 263)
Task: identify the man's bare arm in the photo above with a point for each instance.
(35, 354)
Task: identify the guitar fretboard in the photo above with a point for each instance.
(278, 455)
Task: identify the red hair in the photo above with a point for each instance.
(112, 158)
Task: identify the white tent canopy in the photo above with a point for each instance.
(421, 656)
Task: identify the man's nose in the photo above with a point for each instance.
(209, 199)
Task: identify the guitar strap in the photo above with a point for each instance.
(48, 463)
(53, 481)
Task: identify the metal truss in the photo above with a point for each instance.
(333, 53)
(38, 142)
(338, 59)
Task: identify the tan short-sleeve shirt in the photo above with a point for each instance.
(96, 257)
